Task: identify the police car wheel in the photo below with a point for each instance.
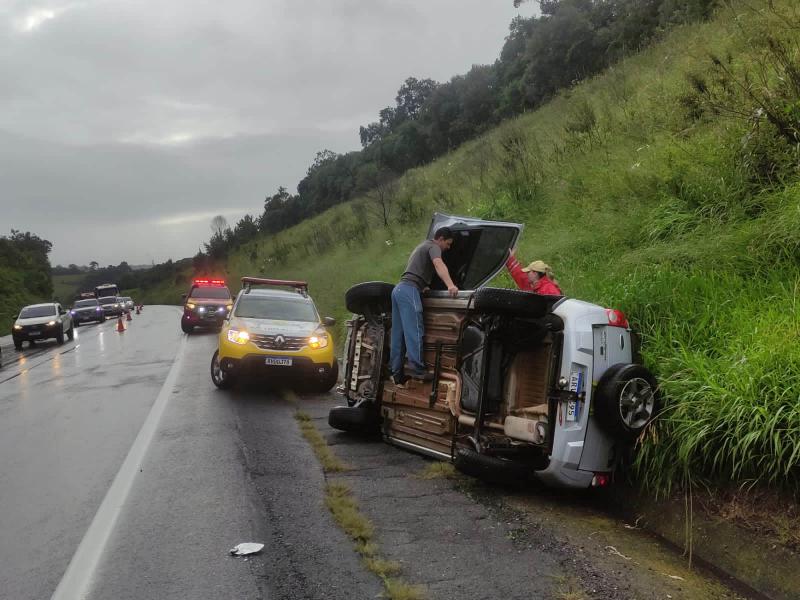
(187, 328)
(219, 377)
(626, 399)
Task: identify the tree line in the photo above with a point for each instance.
(24, 272)
(569, 41)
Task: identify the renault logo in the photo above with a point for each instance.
(279, 340)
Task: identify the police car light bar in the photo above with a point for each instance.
(209, 282)
(301, 286)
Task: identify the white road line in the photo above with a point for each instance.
(78, 578)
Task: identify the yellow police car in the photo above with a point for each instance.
(274, 330)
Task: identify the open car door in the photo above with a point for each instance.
(479, 251)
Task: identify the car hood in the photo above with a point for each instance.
(479, 251)
(274, 327)
(86, 309)
(36, 320)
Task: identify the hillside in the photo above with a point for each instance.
(666, 187)
(24, 274)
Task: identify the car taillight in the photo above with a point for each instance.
(616, 318)
(601, 480)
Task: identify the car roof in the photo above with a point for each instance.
(272, 293)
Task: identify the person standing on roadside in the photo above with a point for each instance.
(537, 277)
(408, 326)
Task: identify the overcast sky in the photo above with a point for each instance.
(125, 126)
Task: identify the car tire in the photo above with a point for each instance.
(76, 323)
(102, 319)
(371, 298)
(363, 418)
(17, 344)
(60, 336)
(326, 383)
(71, 333)
(186, 327)
(222, 379)
(512, 302)
(626, 399)
(490, 468)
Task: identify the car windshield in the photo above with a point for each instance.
(85, 303)
(108, 300)
(31, 312)
(213, 292)
(281, 309)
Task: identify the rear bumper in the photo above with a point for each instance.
(302, 367)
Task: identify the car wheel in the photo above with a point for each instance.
(221, 379)
(363, 418)
(103, 319)
(76, 323)
(490, 468)
(327, 382)
(626, 399)
(369, 298)
(17, 344)
(60, 336)
(513, 302)
(186, 327)
(71, 333)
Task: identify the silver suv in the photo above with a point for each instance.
(41, 321)
(523, 384)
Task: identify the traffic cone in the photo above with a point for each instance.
(120, 324)
(137, 310)
(128, 316)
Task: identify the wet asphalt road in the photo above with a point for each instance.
(125, 474)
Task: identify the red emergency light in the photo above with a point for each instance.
(220, 282)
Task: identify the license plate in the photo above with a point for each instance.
(34, 332)
(572, 410)
(278, 362)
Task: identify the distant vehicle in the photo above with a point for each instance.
(86, 296)
(104, 290)
(42, 321)
(127, 302)
(111, 306)
(276, 333)
(207, 304)
(87, 310)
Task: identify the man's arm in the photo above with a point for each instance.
(444, 275)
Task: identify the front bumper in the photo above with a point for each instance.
(42, 332)
(87, 316)
(112, 311)
(302, 367)
(204, 319)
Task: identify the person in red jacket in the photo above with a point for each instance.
(537, 277)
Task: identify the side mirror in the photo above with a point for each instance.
(329, 321)
(61, 311)
(184, 296)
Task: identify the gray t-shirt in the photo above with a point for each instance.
(419, 270)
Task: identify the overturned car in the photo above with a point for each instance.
(522, 385)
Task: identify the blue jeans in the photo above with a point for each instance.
(408, 328)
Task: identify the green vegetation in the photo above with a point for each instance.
(668, 187)
(24, 274)
(329, 461)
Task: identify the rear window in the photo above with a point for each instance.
(211, 292)
(85, 303)
(31, 312)
(280, 309)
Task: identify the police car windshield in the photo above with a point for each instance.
(280, 309)
(212, 292)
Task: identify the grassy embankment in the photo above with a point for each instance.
(648, 193)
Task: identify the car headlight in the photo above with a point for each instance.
(238, 337)
(51, 323)
(229, 306)
(116, 306)
(190, 306)
(202, 309)
(72, 312)
(17, 327)
(319, 339)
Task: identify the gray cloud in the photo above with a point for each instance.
(155, 111)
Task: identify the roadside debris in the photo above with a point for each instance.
(246, 548)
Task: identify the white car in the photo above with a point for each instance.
(41, 321)
(524, 385)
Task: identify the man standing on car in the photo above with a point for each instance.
(408, 326)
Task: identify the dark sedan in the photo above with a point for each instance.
(87, 310)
